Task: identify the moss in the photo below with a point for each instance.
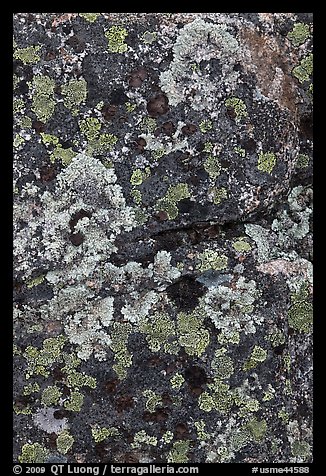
(174, 194)
(64, 442)
(116, 36)
(299, 34)
(33, 453)
(257, 429)
(257, 356)
(212, 167)
(178, 453)
(192, 334)
(28, 55)
(51, 396)
(141, 437)
(300, 314)
(65, 156)
(205, 126)
(210, 259)
(239, 107)
(43, 103)
(303, 71)
(74, 402)
(302, 161)
(90, 17)
(241, 245)
(266, 162)
(31, 388)
(74, 93)
(177, 381)
(153, 400)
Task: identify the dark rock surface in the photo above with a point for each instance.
(163, 237)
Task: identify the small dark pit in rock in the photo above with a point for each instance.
(140, 144)
(47, 173)
(189, 129)
(109, 111)
(38, 126)
(118, 97)
(137, 77)
(185, 293)
(158, 105)
(76, 238)
(195, 376)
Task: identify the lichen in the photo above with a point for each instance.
(122, 357)
(116, 36)
(43, 103)
(51, 395)
(213, 167)
(218, 398)
(257, 356)
(152, 400)
(64, 442)
(303, 71)
(217, 195)
(174, 194)
(210, 259)
(257, 429)
(177, 381)
(239, 107)
(192, 335)
(101, 434)
(302, 161)
(205, 126)
(74, 93)
(33, 453)
(90, 17)
(75, 402)
(178, 453)
(300, 449)
(241, 245)
(141, 438)
(299, 34)
(266, 162)
(138, 176)
(300, 314)
(28, 55)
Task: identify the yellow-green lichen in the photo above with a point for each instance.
(222, 366)
(192, 334)
(303, 71)
(205, 126)
(302, 161)
(300, 314)
(208, 147)
(31, 388)
(74, 93)
(174, 194)
(212, 167)
(269, 394)
(49, 139)
(177, 381)
(18, 141)
(43, 103)
(257, 429)
(65, 156)
(200, 427)
(136, 195)
(51, 395)
(276, 338)
(210, 259)
(218, 398)
(217, 195)
(101, 434)
(138, 176)
(266, 162)
(239, 107)
(17, 105)
(141, 437)
(153, 400)
(64, 442)
(257, 356)
(33, 453)
(40, 360)
(232, 337)
(160, 332)
(300, 449)
(116, 36)
(90, 17)
(167, 437)
(119, 340)
(130, 107)
(74, 402)
(299, 34)
(240, 151)
(178, 453)
(90, 128)
(76, 379)
(284, 416)
(28, 55)
(241, 245)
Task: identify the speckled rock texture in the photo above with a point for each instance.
(163, 237)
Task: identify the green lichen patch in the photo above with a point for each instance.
(138, 176)
(177, 381)
(64, 156)
(116, 36)
(213, 167)
(174, 194)
(210, 259)
(39, 361)
(299, 34)
(51, 396)
(152, 400)
(178, 453)
(43, 103)
(300, 314)
(192, 335)
(74, 93)
(28, 55)
(160, 332)
(302, 161)
(33, 453)
(301, 449)
(257, 356)
(222, 366)
(241, 245)
(257, 429)
(266, 162)
(90, 128)
(122, 356)
(75, 402)
(217, 195)
(90, 17)
(141, 438)
(64, 442)
(31, 388)
(101, 434)
(218, 398)
(239, 107)
(304, 70)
